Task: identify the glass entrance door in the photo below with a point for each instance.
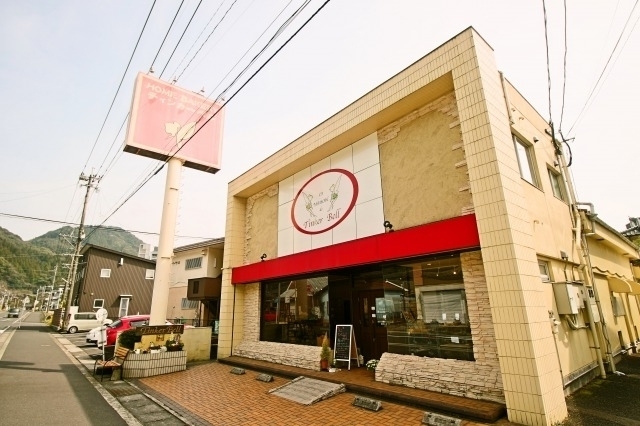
(369, 325)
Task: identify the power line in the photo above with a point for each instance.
(180, 40)
(166, 35)
(148, 171)
(117, 156)
(255, 42)
(101, 227)
(244, 70)
(564, 75)
(605, 67)
(546, 40)
(119, 86)
(207, 39)
(35, 193)
(277, 33)
(218, 111)
(197, 38)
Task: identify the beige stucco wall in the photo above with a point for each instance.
(550, 217)
(612, 324)
(262, 225)
(551, 227)
(197, 343)
(424, 174)
(607, 260)
(211, 267)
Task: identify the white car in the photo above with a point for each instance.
(95, 337)
(82, 321)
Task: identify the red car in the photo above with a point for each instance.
(122, 324)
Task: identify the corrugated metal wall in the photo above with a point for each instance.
(127, 278)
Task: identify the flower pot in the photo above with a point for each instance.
(324, 364)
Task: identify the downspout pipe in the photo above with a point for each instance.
(592, 323)
(584, 262)
(506, 97)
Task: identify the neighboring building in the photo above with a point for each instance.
(433, 215)
(120, 283)
(632, 228)
(147, 251)
(194, 286)
(51, 299)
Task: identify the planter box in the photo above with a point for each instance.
(153, 364)
(174, 348)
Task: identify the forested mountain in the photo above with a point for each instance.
(112, 238)
(27, 265)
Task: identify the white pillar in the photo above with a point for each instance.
(160, 296)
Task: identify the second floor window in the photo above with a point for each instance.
(189, 304)
(526, 161)
(556, 184)
(194, 263)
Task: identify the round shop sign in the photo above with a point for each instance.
(324, 201)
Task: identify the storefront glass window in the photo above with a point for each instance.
(414, 307)
(295, 311)
(426, 309)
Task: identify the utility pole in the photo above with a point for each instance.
(91, 181)
(53, 284)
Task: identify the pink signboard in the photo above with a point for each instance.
(169, 121)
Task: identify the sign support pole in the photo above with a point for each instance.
(159, 299)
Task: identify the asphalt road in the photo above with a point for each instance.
(41, 384)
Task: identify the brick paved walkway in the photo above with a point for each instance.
(208, 393)
(362, 381)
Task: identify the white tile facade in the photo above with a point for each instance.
(362, 159)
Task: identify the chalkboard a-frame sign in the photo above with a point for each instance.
(344, 346)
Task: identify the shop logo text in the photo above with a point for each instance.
(324, 201)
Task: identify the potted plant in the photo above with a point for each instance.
(372, 364)
(128, 339)
(325, 353)
(153, 348)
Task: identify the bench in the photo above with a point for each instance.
(114, 363)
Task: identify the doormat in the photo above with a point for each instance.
(308, 391)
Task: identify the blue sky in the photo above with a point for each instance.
(61, 63)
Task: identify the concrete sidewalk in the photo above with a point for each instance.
(142, 406)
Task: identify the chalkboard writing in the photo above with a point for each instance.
(342, 344)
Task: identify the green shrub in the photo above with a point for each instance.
(128, 338)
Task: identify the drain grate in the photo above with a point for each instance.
(120, 389)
